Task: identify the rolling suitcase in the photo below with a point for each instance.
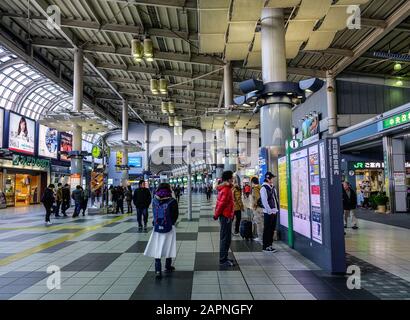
(245, 230)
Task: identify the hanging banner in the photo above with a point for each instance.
(283, 192)
(315, 193)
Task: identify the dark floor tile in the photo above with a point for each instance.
(173, 286)
(112, 224)
(92, 262)
(67, 230)
(138, 247)
(58, 247)
(137, 230)
(79, 220)
(22, 237)
(245, 246)
(187, 220)
(328, 296)
(5, 255)
(102, 237)
(209, 261)
(187, 236)
(209, 229)
(320, 288)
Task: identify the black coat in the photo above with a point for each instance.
(48, 197)
(349, 203)
(142, 198)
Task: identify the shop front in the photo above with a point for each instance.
(23, 180)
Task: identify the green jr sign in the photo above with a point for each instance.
(30, 161)
(396, 120)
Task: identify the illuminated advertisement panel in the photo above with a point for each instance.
(21, 134)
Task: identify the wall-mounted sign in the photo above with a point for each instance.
(19, 160)
(135, 162)
(395, 121)
(21, 134)
(47, 142)
(361, 165)
(66, 145)
(310, 128)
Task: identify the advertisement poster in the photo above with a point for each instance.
(300, 193)
(118, 161)
(21, 134)
(97, 182)
(66, 145)
(283, 192)
(47, 142)
(135, 162)
(263, 163)
(314, 175)
(1, 126)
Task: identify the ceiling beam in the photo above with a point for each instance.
(177, 4)
(373, 23)
(376, 35)
(126, 52)
(333, 52)
(110, 27)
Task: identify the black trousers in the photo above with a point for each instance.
(142, 213)
(120, 206)
(238, 217)
(158, 267)
(48, 212)
(129, 205)
(225, 238)
(269, 224)
(208, 196)
(64, 206)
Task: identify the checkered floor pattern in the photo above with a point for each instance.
(101, 257)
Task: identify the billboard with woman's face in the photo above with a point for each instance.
(1, 126)
(47, 142)
(66, 145)
(21, 134)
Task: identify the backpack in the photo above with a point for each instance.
(268, 190)
(162, 214)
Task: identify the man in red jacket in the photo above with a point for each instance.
(225, 213)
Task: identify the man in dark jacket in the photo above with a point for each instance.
(66, 199)
(142, 201)
(118, 196)
(48, 201)
(77, 195)
(349, 204)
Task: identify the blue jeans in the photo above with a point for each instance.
(142, 212)
(77, 209)
(225, 238)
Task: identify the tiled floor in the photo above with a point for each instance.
(101, 257)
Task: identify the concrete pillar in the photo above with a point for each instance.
(220, 152)
(331, 103)
(395, 173)
(146, 167)
(125, 175)
(231, 147)
(189, 185)
(78, 87)
(228, 84)
(276, 115)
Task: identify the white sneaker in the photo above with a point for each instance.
(48, 223)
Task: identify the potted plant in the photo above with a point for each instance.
(381, 200)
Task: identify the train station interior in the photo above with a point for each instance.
(204, 150)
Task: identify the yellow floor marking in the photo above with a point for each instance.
(30, 251)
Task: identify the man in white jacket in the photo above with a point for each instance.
(270, 203)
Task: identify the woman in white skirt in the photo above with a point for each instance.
(162, 243)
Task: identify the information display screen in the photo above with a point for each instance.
(135, 162)
(47, 142)
(300, 193)
(283, 192)
(21, 134)
(1, 126)
(66, 145)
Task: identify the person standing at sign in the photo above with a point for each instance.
(270, 203)
(349, 204)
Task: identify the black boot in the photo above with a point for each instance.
(158, 273)
(168, 266)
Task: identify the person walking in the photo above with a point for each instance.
(224, 211)
(238, 204)
(119, 200)
(128, 198)
(84, 202)
(48, 200)
(177, 192)
(77, 195)
(162, 243)
(59, 199)
(258, 216)
(365, 187)
(208, 192)
(66, 199)
(270, 203)
(349, 204)
(142, 201)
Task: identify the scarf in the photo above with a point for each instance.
(163, 193)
